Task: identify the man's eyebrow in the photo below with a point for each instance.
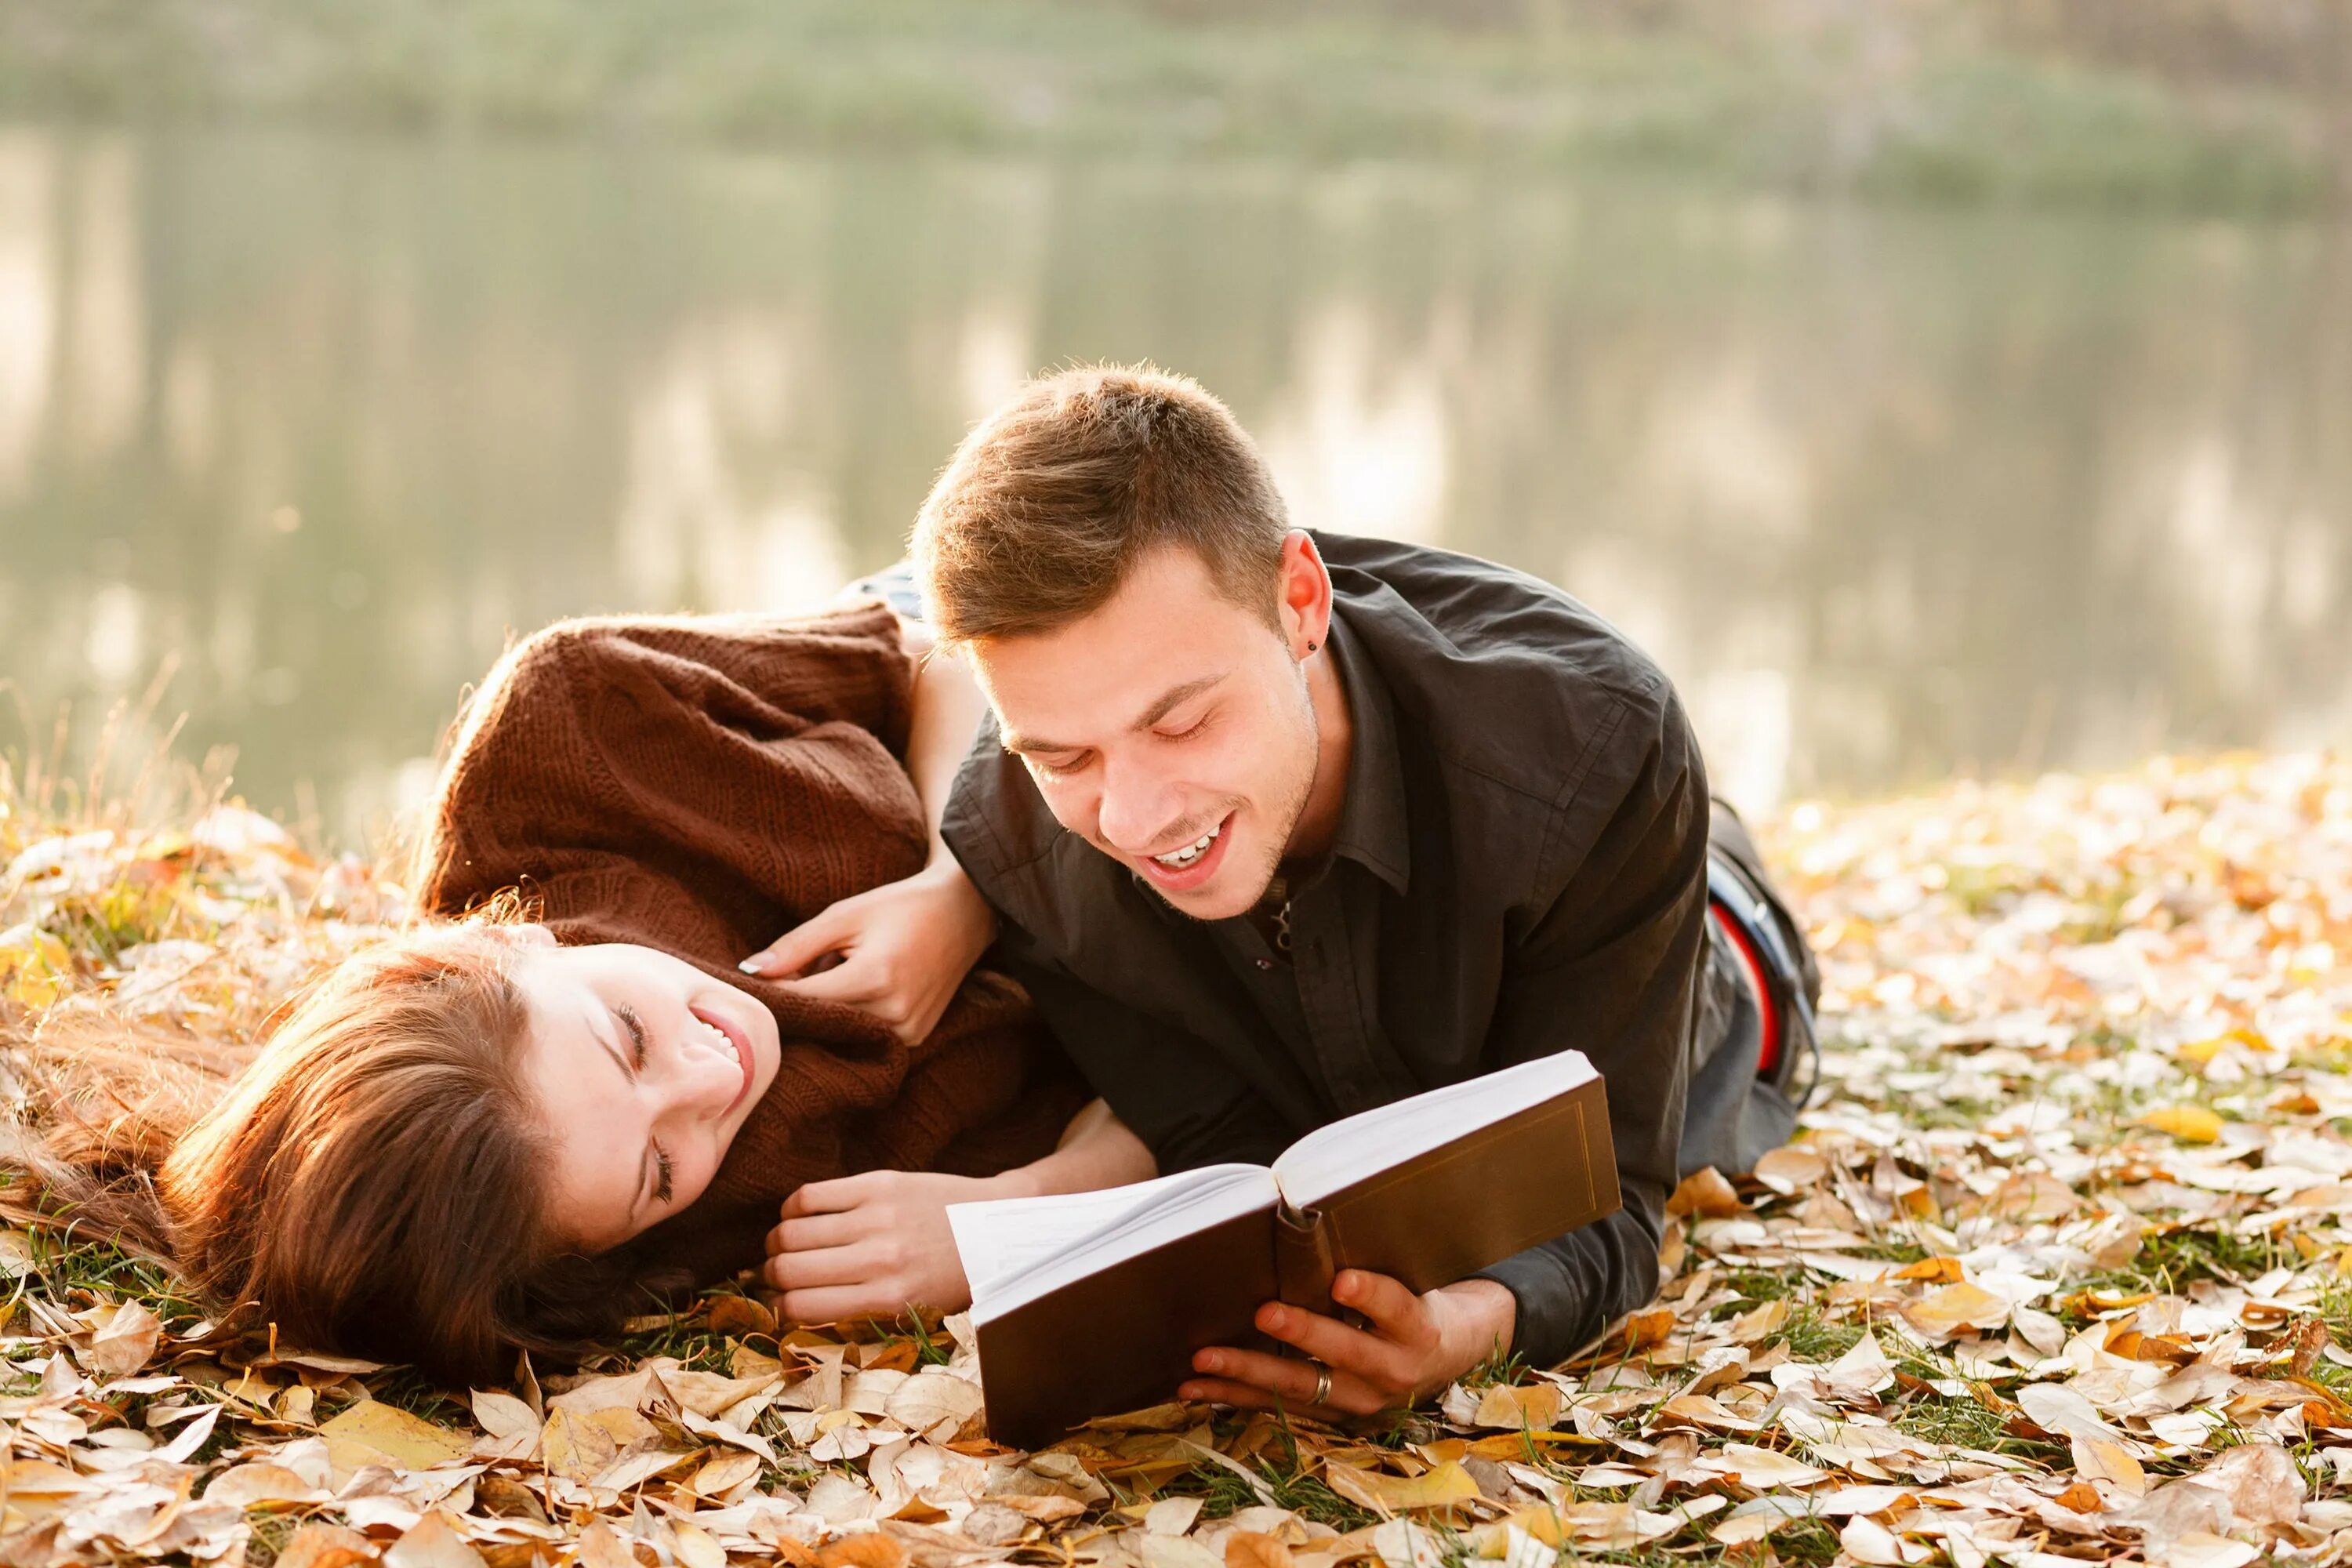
(1170, 701)
(1175, 697)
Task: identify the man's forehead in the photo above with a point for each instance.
(1045, 714)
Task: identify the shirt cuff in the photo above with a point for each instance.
(1547, 1327)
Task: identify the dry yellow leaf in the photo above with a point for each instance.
(1942, 1314)
(433, 1543)
(2103, 1460)
(374, 1433)
(579, 1444)
(1443, 1486)
(2190, 1124)
(1536, 1405)
(695, 1546)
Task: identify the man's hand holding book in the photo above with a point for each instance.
(1413, 1346)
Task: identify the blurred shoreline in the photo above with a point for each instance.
(2192, 106)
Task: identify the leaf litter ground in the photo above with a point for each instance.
(2057, 1271)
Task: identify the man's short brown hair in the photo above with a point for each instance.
(1052, 500)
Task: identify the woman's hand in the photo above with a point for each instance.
(1415, 1347)
(898, 951)
(880, 1242)
(876, 1242)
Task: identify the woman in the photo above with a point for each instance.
(507, 1127)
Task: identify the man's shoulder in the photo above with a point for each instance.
(1500, 674)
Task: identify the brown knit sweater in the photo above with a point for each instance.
(701, 785)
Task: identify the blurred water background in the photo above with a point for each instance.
(1948, 387)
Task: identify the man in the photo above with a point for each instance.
(1281, 827)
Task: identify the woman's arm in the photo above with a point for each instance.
(899, 950)
(880, 1242)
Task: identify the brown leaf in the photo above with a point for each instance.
(1252, 1549)
(1705, 1192)
(739, 1316)
(870, 1550)
(325, 1546)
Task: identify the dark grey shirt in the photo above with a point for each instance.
(1520, 868)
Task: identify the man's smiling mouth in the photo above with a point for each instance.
(1180, 858)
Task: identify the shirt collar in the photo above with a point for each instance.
(1373, 829)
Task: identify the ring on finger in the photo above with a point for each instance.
(1322, 1384)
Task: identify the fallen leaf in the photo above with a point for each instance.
(325, 1546)
(433, 1543)
(1704, 1192)
(1944, 1314)
(124, 1342)
(1252, 1548)
(374, 1433)
(2190, 1124)
(1441, 1486)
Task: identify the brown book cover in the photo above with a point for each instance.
(1124, 1337)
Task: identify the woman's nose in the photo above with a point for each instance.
(701, 1078)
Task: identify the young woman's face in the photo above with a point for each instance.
(644, 1067)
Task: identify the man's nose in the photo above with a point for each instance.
(1135, 810)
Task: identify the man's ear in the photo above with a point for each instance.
(1305, 595)
(533, 934)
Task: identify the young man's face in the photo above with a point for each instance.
(1172, 729)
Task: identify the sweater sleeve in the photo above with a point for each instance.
(752, 760)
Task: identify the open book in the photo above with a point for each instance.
(1094, 1303)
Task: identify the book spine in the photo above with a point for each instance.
(1302, 1258)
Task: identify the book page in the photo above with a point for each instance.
(1343, 1153)
(998, 1238)
(1017, 1249)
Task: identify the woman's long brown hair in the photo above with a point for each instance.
(372, 1184)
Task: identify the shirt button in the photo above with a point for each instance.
(1265, 964)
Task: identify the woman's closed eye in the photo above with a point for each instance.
(661, 1174)
(636, 1028)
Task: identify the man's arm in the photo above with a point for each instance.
(900, 951)
(1612, 968)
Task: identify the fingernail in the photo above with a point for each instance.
(1191, 1390)
(1276, 1319)
(1206, 1361)
(749, 966)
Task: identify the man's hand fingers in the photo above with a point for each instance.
(1258, 1382)
(1241, 1395)
(801, 946)
(814, 1232)
(1345, 1348)
(792, 1271)
(1395, 1312)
